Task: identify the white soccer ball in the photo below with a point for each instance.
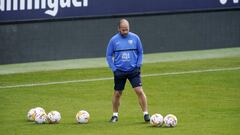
(156, 120)
(40, 109)
(54, 117)
(32, 113)
(41, 117)
(170, 120)
(82, 117)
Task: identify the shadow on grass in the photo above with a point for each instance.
(98, 123)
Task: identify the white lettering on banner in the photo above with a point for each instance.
(2, 3)
(43, 4)
(85, 3)
(77, 3)
(223, 2)
(65, 3)
(9, 5)
(22, 4)
(37, 4)
(52, 5)
(235, 1)
(15, 5)
(29, 4)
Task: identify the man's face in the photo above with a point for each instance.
(124, 29)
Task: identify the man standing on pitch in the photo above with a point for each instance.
(124, 56)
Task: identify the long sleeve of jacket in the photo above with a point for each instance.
(109, 56)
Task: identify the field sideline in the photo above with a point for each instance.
(203, 93)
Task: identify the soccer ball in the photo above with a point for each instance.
(54, 117)
(170, 120)
(40, 109)
(82, 117)
(41, 117)
(32, 113)
(156, 120)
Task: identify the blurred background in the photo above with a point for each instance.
(83, 29)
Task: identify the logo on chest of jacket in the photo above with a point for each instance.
(130, 41)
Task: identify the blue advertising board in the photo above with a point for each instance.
(28, 10)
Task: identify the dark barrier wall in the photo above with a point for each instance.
(27, 10)
(84, 38)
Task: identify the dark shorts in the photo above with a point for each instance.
(120, 78)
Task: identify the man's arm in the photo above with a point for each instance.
(109, 55)
(140, 53)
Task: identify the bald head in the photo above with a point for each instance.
(123, 27)
(123, 22)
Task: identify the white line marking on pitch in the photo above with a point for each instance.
(110, 78)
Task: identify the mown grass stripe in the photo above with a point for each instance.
(101, 62)
(109, 78)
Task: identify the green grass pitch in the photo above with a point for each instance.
(205, 103)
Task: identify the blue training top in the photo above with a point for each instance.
(126, 50)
